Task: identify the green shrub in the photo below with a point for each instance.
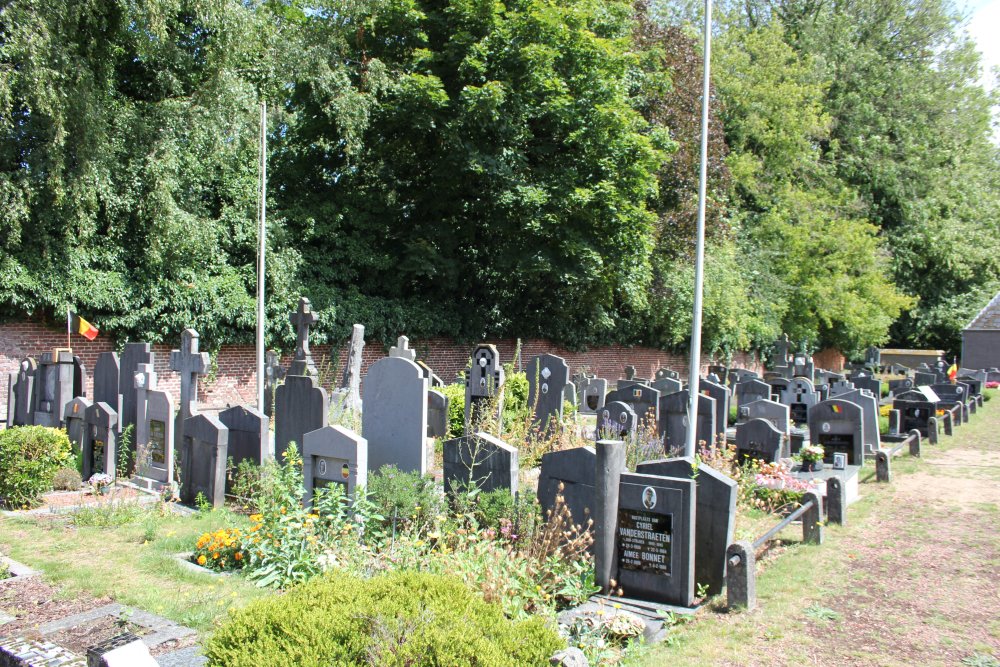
(67, 479)
(29, 459)
(515, 397)
(456, 408)
(883, 425)
(406, 496)
(404, 618)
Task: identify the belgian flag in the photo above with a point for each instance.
(83, 327)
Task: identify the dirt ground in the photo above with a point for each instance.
(922, 586)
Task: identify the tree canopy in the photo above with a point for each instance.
(478, 168)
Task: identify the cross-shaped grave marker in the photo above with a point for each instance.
(402, 349)
(189, 363)
(302, 319)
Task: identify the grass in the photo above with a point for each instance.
(128, 554)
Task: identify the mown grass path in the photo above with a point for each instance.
(912, 579)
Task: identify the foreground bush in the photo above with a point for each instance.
(403, 618)
(29, 459)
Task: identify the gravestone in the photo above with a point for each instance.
(437, 414)
(665, 374)
(107, 378)
(674, 421)
(547, 378)
(432, 378)
(302, 319)
(248, 435)
(334, 455)
(643, 399)
(575, 469)
(154, 428)
(721, 396)
(974, 384)
(900, 385)
(981, 376)
(667, 385)
(821, 376)
(802, 366)
(53, 388)
(715, 515)
(869, 410)
(79, 377)
(778, 387)
(479, 461)
(24, 392)
(914, 410)
(655, 538)
(401, 350)
(839, 387)
(752, 390)
(718, 371)
(300, 406)
(759, 439)
(775, 413)
(99, 432)
(75, 417)
(839, 427)
(924, 378)
(350, 381)
(630, 373)
(616, 420)
(273, 373)
(592, 393)
(189, 363)
(950, 394)
(204, 454)
(781, 351)
(394, 421)
(133, 354)
(873, 358)
(799, 396)
(482, 387)
(569, 394)
(740, 375)
(865, 381)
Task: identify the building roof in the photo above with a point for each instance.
(988, 317)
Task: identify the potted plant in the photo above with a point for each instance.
(101, 483)
(811, 457)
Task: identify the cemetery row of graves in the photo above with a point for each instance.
(550, 509)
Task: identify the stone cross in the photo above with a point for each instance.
(402, 349)
(189, 363)
(302, 319)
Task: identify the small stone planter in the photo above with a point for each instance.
(17, 570)
(185, 561)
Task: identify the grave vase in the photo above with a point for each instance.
(812, 466)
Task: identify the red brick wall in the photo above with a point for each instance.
(233, 378)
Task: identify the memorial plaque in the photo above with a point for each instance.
(654, 538)
(616, 420)
(547, 378)
(839, 427)
(334, 455)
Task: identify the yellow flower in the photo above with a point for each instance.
(283, 510)
(257, 517)
(312, 516)
(215, 556)
(202, 560)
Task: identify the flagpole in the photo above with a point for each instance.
(69, 329)
(262, 238)
(694, 370)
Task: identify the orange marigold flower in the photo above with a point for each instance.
(202, 560)
(215, 556)
(238, 556)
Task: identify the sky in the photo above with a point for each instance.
(984, 27)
